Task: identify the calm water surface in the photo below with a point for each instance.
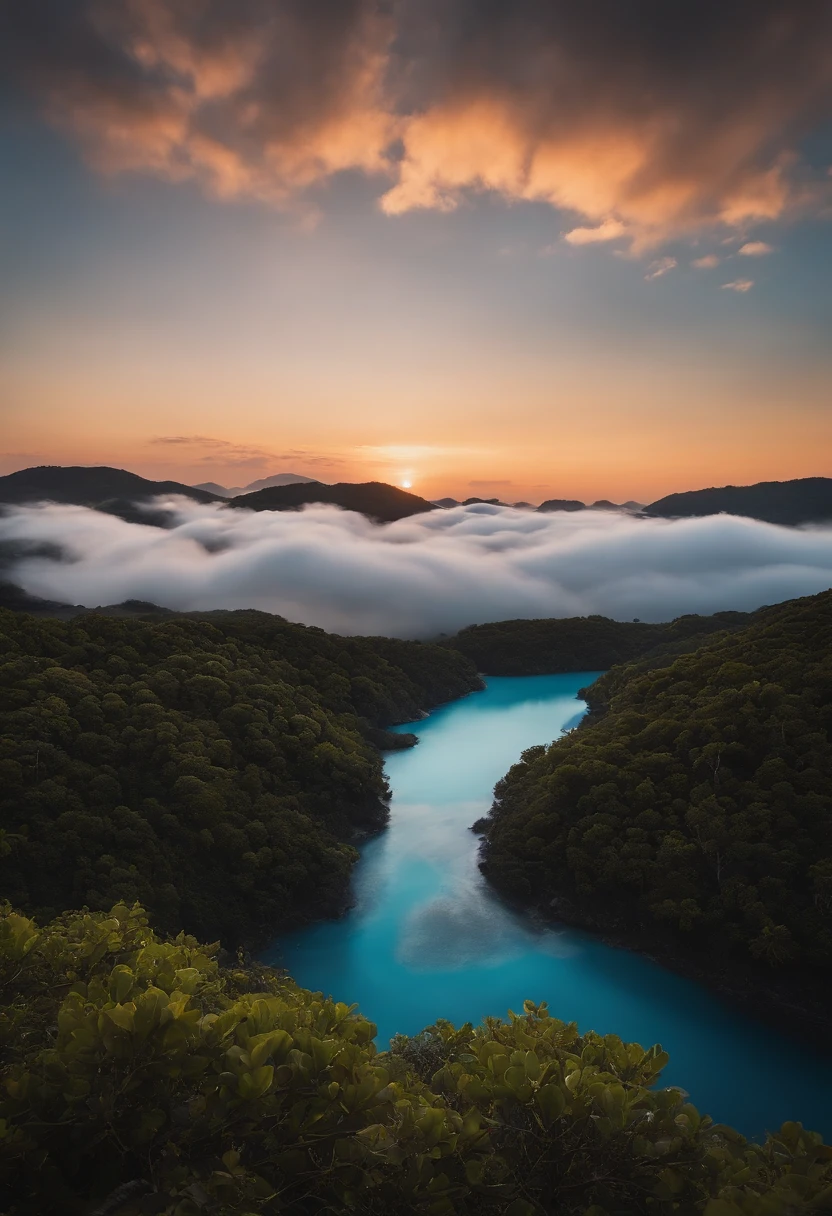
(428, 939)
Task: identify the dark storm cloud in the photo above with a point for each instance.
(642, 118)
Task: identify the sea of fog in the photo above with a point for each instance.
(417, 577)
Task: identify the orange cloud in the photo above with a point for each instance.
(244, 98)
(609, 230)
(643, 121)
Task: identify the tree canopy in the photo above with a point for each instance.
(698, 797)
(139, 1076)
(580, 643)
(215, 767)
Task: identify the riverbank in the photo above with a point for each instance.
(794, 1003)
(427, 938)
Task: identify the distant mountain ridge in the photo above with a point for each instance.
(801, 501)
(113, 490)
(375, 499)
(264, 483)
(118, 492)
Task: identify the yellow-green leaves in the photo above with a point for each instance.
(253, 1084)
(273, 1100)
(18, 935)
(121, 1015)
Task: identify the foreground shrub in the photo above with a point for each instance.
(140, 1076)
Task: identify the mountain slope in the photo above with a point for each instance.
(214, 767)
(805, 500)
(89, 486)
(562, 504)
(213, 487)
(698, 799)
(581, 643)
(375, 499)
(263, 483)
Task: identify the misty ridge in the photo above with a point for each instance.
(418, 577)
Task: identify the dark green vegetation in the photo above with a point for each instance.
(697, 799)
(805, 500)
(15, 599)
(213, 766)
(374, 499)
(139, 1076)
(101, 487)
(581, 643)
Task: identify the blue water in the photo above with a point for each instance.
(427, 938)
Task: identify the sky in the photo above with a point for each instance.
(504, 248)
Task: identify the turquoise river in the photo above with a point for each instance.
(427, 938)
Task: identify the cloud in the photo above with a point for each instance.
(740, 285)
(707, 262)
(661, 266)
(645, 119)
(415, 578)
(755, 249)
(251, 98)
(610, 230)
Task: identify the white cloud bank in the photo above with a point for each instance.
(428, 574)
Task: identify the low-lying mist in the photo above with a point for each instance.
(420, 576)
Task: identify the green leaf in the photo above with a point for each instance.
(551, 1100)
(252, 1085)
(122, 1016)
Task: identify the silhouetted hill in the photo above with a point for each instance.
(96, 486)
(279, 479)
(562, 504)
(263, 483)
(805, 500)
(582, 643)
(213, 487)
(374, 499)
(17, 600)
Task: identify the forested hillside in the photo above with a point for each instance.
(579, 643)
(699, 798)
(139, 1077)
(214, 767)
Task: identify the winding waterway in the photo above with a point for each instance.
(427, 938)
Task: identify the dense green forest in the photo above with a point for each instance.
(580, 643)
(698, 798)
(214, 767)
(140, 1077)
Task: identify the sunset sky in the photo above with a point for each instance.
(491, 247)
